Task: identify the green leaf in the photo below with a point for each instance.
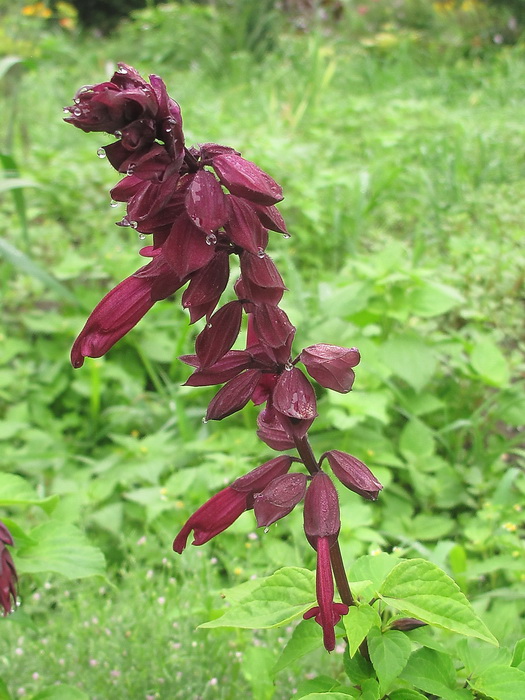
(420, 589)
(4, 692)
(434, 673)
(15, 183)
(406, 694)
(409, 357)
(370, 689)
(501, 683)
(278, 599)
(23, 263)
(518, 657)
(257, 664)
(61, 692)
(416, 439)
(374, 568)
(330, 695)
(489, 362)
(389, 652)
(305, 638)
(61, 548)
(321, 686)
(358, 669)
(16, 491)
(358, 623)
(434, 298)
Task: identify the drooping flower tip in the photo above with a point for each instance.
(8, 576)
(321, 511)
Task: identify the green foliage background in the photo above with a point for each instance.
(399, 144)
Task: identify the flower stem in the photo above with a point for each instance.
(303, 447)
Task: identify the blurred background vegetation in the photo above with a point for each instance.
(395, 129)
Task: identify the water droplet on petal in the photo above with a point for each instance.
(204, 420)
(101, 153)
(286, 235)
(66, 110)
(113, 203)
(76, 101)
(131, 168)
(209, 325)
(266, 530)
(118, 133)
(124, 222)
(261, 253)
(142, 236)
(211, 239)
(77, 112)
(122, 71)
(288, 367)
(168, 129)
(133, 224)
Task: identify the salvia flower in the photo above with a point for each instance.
(321, 525)
(8, 577)
(355, 475)
(223, 509)
(331, 365)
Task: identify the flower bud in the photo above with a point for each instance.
(355, 475)
(331, 365)
(245, 179)
(405, 624)
(279, 498)
(321, 510)
(234, 395)
(294, 396)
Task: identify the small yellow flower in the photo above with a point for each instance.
(38, 9)
(510, 527)
(237, 571)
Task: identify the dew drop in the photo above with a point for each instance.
(211, 239)
(209, 325)
(101, 153)
(286, 235)
(288, 367)
(118, 133)
(142, 236)
(77, 112)
(261, 253)
(133, 224)
(122, 71)
(266, 530)
(130, 169)
(66, 110)
(76, 101)
(204, 420)
(113, 204)
(168, 129)
(124, 222)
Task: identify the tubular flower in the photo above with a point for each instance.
(321, 526)
(223, 509)
(8, 577)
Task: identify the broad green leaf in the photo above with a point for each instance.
(358, 623)
(372, 568)
(305, 638)
(489, 362)
(416, 439)
(478, 657)
(321, 685)
(279, 598)
(389, 654)
(17, 491)
(406, 694)
(4, 692)
(330, 695)
(370, 689)
(358, 669)
(518, 657)
(61, 548)
(61, 692)
(434, 298)
(420, 589)
(409, 357)
(434, 673)
(500, 683)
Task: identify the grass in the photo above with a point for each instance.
(403, 173)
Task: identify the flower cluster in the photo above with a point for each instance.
(8, 577)
(200, 205)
